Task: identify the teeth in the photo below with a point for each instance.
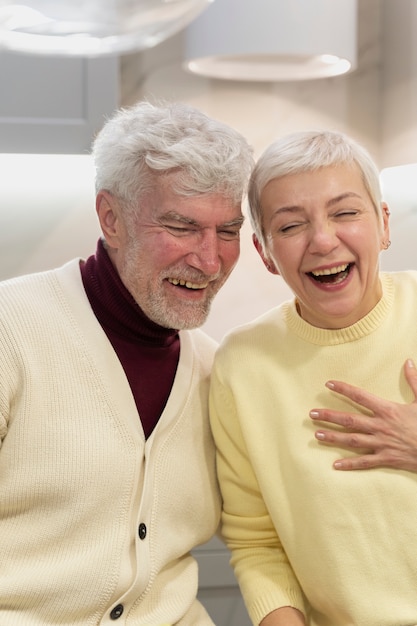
(333, 270)
(187, 283)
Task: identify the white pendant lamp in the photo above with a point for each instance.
(273, 40)
(91, 27)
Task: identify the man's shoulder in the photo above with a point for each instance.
(36, 278)
(30, 290)
(197, 350)
(199, 340)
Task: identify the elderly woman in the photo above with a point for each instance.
(311, 545)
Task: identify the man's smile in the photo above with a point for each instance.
(186, 283)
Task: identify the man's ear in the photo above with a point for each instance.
(269, 264)
(108, 210)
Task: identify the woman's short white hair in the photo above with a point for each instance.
(306, 151)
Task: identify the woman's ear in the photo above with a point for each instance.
(385, 226)
(269, 264)
(108, 210)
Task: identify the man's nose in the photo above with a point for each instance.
(206, 254)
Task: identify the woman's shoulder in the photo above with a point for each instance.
(406, 279)
(262, 331)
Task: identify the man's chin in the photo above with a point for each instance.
(180, 317)
(188, 322)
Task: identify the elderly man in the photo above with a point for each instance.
(107, 470)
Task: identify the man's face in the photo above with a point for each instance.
(177, 252)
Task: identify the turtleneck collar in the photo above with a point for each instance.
(114, 306)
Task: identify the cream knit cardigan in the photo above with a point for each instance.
(77, 477)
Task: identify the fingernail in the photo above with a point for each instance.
(410, 363)
(330, 384)
(314, 414)
(319, 435)
(337, 464)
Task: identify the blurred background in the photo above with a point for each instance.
(267, 67)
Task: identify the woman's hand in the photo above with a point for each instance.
(285, 616)
(388, 436)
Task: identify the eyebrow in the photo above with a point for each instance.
(236, 222)
(295, 208)
(177, 217)
(343, 196)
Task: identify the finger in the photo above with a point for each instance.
(377, 459)
(350, 421)
(410, 372)
(346, 440)
(367, 461)
(358, 395)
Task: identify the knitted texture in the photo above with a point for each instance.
(77, 477)
(348, 539)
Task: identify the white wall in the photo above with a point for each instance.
(47, 211)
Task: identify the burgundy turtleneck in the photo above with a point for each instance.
(148, 352)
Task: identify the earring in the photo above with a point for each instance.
(387, 245)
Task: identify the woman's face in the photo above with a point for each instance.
(323, 236)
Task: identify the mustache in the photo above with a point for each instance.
(191, 276)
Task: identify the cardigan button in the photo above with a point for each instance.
(117, 611)
(142, 531)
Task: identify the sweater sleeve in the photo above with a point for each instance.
(265, 576)
(11, 368)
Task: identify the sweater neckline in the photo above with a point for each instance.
(362, 328)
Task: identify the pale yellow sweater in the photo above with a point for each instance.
(92, 517)
(347, 539)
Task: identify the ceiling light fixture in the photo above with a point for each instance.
(273, 40)
(91, 27)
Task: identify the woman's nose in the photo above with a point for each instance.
(323, 238)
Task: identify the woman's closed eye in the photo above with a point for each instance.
(346, 213)
(290, 227)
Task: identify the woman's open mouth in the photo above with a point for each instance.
(333, 275)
